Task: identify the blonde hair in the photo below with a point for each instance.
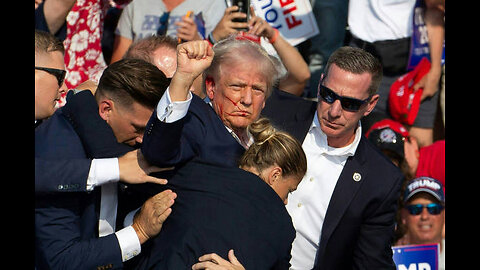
(272, 147)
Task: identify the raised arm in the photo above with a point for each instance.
(162, 142)
(56, 12)
(192, 59)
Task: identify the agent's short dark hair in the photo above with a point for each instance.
(357, 61)
(132, 80)
(46, 42)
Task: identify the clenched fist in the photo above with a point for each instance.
(193, 58)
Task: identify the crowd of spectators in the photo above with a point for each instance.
(132, 101)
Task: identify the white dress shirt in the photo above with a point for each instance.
(105, 173)
(308, 204)
(168, 111)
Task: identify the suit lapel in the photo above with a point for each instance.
(303, 114)
(347, 186)
(290, 113)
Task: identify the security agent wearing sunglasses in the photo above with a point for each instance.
(49, 74)
(344, 209)
(423, 213)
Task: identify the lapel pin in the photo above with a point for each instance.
(357, 177)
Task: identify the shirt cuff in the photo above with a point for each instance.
(102, 171)
(128, 242)
(168, 111)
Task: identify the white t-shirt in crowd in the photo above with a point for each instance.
(374, 20)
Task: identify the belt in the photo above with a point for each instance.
(393, 53)
(378, 44)
(362, 43)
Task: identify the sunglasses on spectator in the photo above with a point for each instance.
(432, 208)
(58, 73)
(348, 103)
(162, 30)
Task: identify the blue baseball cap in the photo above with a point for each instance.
(425, 184)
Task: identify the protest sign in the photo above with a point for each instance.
(419, 44)
(416, 257)
(293, 18)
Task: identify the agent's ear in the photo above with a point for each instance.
(105, 108)
(210, 87)
(371, 104)
(274, 175)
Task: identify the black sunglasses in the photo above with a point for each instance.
(432, 208)
(58, 73)
(162, 30)
(348, 103)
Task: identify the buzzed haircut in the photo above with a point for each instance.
(357, 61)
(46, 42)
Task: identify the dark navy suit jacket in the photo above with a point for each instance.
(220, 208)
(58, 174)
(357, 232)
(200, 134)
(66, 224)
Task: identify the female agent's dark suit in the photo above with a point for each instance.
(357, 232)
(220, 208)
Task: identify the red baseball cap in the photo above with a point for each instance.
(403, 101)
(388, 123)
(388, 134)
